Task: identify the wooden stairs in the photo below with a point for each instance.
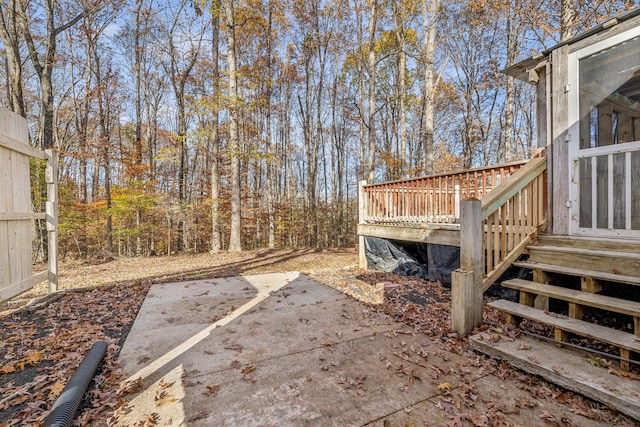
(574, 276)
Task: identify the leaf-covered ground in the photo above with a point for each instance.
(42, 349)
(42, 344)
(44, 339)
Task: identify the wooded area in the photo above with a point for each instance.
(198, 125)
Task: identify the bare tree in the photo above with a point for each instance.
(44, 62)
(371, 98)
(215, 137)
(235, 239)
(429, 16)
(9, 34)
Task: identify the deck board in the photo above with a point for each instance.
(579, 272)
(602, 302)
(438, 234)
(590, 330)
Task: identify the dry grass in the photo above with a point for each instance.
(76, 275)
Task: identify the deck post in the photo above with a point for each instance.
(51, 175)
(466, 281)
(362, 205)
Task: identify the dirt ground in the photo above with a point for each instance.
(44, 338)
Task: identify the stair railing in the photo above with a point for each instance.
(494, 232)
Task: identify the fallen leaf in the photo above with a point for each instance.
(7, 369)
(164, 385)
(545, 415)
(235, 364)
(162, 397)
(579, 408)
(130, 387)
(212, 390)
(563, 398)
(624, 374)
(30, 360)
(457, 420)
(445, 387)
(248, 369)
(148, 420)
(55, 389)
(160, 394)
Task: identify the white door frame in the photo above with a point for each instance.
(575, 153)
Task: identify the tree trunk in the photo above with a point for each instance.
(509, 101)
(371, 135)
(138, 78)
(399, 17)
(44, 70)
(235, 239)
(363, 170)
(269, 161)
(567, 19)
(215, 149)
(104, 132)
(429, 24)
(9, 33)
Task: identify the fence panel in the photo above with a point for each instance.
(16, 211)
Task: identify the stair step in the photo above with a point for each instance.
(579, 272)
(613, 262)
(600, 333)
(577, 374)
(603, 302)
(597, 243)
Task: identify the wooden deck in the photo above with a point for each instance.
(494, 232)
(429, 210)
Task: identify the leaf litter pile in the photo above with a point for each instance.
(42, 349)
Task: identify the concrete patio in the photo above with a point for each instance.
(282, 349)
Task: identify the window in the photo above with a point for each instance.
(609, 95)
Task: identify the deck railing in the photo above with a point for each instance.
(430, 199)
(494, 232)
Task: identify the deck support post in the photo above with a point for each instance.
(51, 175)
(466, 282)
(362, 205)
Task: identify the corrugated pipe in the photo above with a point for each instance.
(66, 406)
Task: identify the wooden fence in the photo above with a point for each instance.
(17, 214)
(429, 199)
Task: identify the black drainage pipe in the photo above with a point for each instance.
(66, 406)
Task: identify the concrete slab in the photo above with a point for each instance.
(282, 349)
(567, 368)
(488, 401)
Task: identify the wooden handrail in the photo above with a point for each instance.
(515, 183)
(494, 232)
(510, 165)
(511, 216)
